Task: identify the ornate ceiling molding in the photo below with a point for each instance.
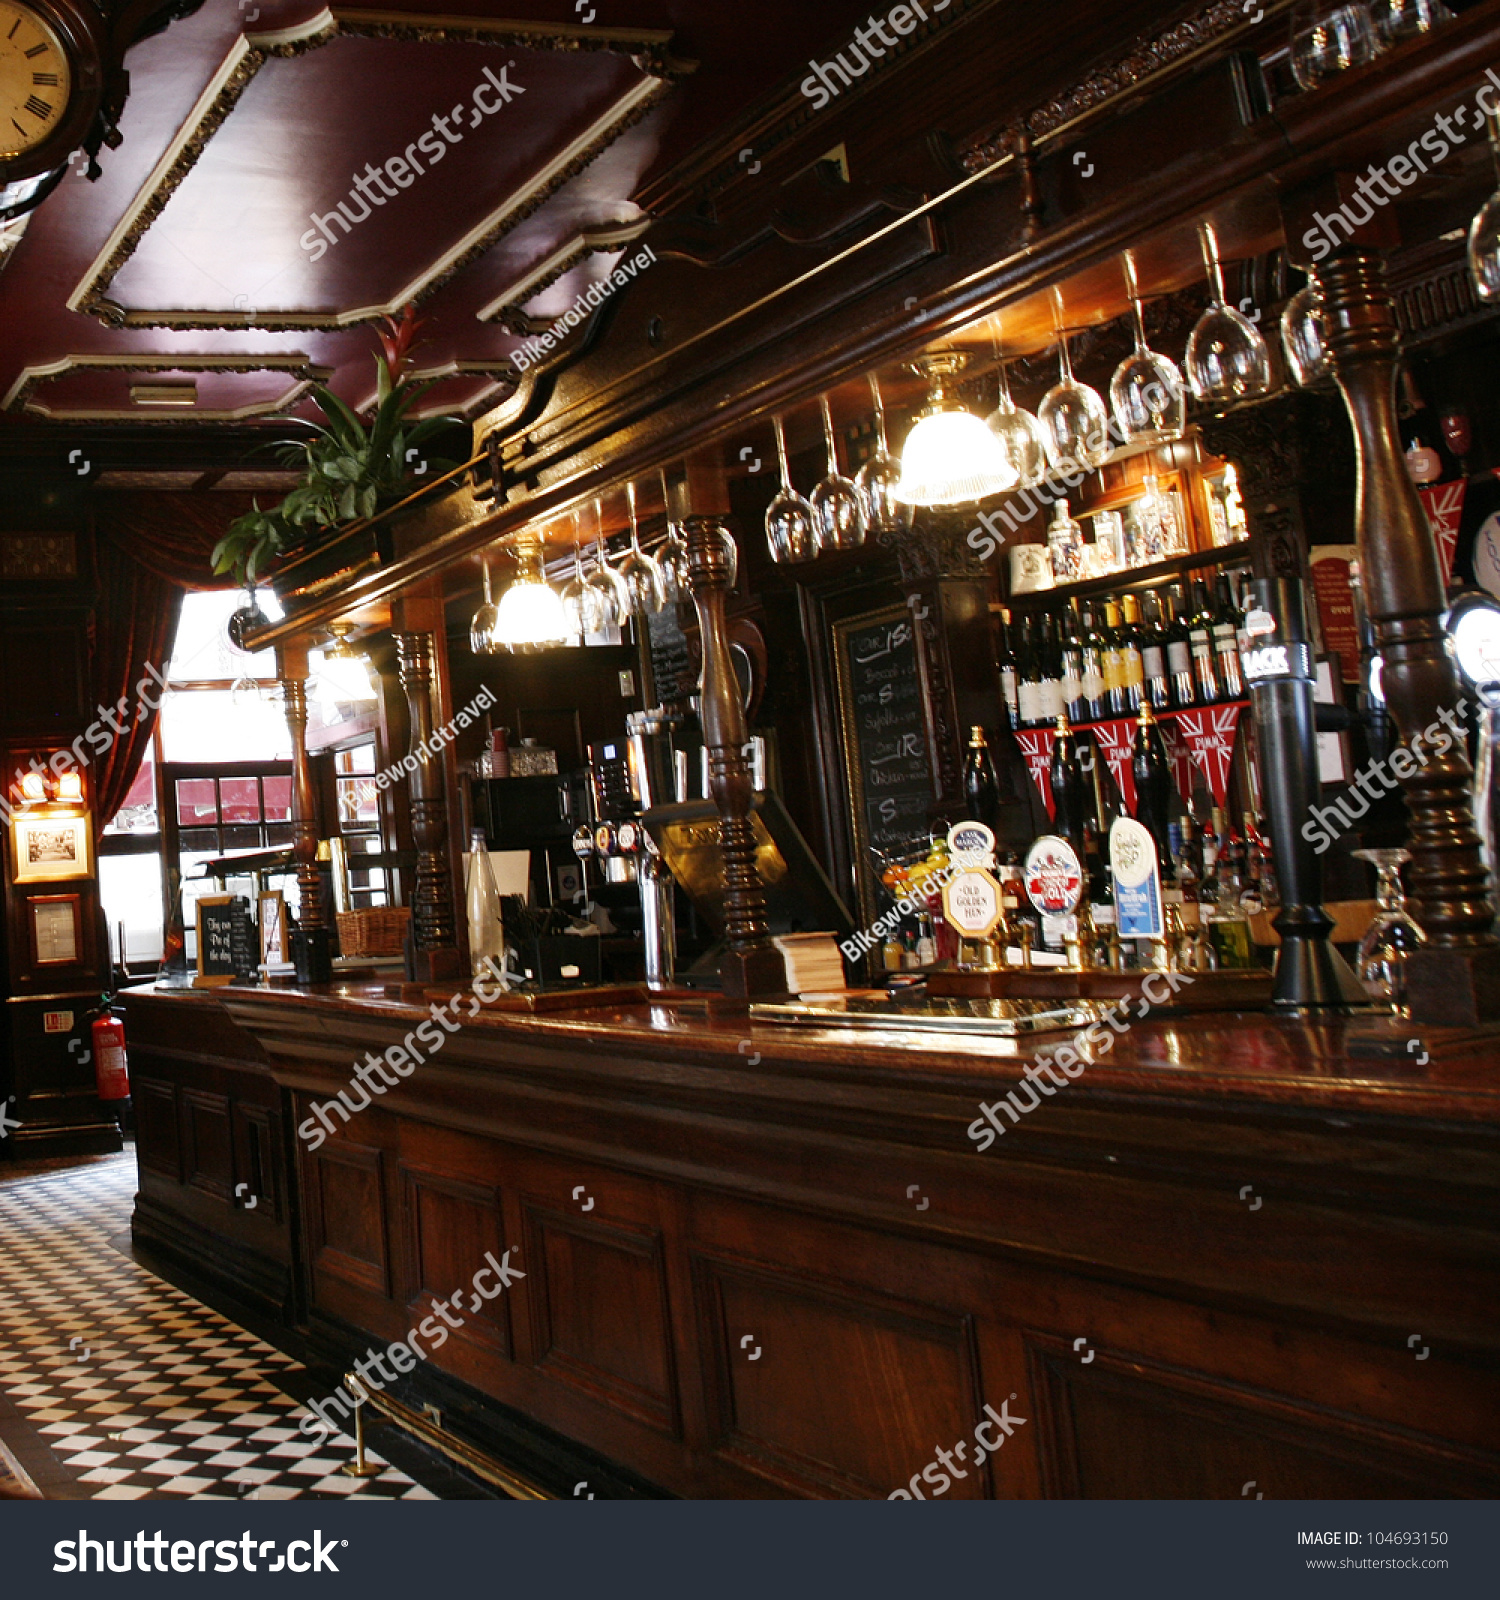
(303, 373)
(1146, 58)
(608, 240)
(646, 47)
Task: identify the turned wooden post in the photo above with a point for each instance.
(433, 953)
(752, 967)
(311, 943)
(1456, 977)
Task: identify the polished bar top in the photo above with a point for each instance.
(1380, 1064)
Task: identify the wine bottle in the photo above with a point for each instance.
(1094, 696)
(1072, 668)
(1179, 654)
(1154, 656)
(1114, 662)
(1153, 785)
(1028, 677)
(1051, 703)
(1009, 682)
(1068, 804)
(1130, 652)
(1226, 639)
(981, 791)
(1201, 638)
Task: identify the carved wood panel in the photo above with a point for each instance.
(600, 1319)
(450, 1225)
(207, 1146)
(157, 1142)
(879, 1384)
(348, 1233)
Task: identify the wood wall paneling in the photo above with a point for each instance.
(348, 1233)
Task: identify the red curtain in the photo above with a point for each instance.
(149, 549)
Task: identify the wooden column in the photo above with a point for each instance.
(1456, 977)
(752, 967)
(434, 952)
(312, 950)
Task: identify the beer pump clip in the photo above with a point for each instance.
(972, 901)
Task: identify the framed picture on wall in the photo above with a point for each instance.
(55, 921)
(273, 939)
(49, 849)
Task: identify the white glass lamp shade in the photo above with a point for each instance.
(532, 617)
(344, 678)
(951, 458)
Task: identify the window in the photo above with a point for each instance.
(218, 781)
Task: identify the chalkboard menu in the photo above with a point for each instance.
(226, 946)
(886, 760)
(671, 663)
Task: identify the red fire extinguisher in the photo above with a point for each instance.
(110, 1070)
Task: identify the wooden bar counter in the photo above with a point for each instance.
(1239, 1255)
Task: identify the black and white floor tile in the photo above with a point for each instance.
(138, 1389)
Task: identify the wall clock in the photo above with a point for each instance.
(51, 83)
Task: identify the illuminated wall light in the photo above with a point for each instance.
(33, 789)
(70, 788)
(950, 457)
(531, 614)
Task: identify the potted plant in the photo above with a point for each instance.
(349, 471)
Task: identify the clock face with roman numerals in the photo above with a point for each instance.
(35, 79)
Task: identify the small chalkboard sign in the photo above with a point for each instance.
(886, 759)
(671, 658)
(226, 946)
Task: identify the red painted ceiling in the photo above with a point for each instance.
(223, 249)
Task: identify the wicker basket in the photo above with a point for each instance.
(374, 931)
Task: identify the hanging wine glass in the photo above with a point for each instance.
(671, 555)
(605, 581)
(789, 518)
(1391, 937)
(838, 517)
(1484, 231)
(642, 574)
(1226, 357)
(877, 479)
(1302, 336)
(1396, 20)
(1329, 39)
(1146, 391)
(1075, 425)
(581, 601)
(1019, 433)
(482, 625)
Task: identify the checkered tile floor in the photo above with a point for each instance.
(139, 1389)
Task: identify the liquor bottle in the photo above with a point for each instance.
(1154, 656)
(1074, 705)
(1201, 638)
(1114, 662)
(1013, 898)
(1153, 785)
(1179, 652)
(1130, 652)
(1095, 698)
(1226, 641)
(1050, 705)
(1261, 868)
(981, 791)
(1068, 801)
(1028, 677)
(926, 944)
(1009, 682)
